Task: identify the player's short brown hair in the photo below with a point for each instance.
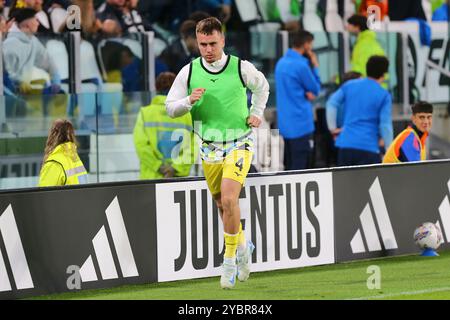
(209, 25)
(164, 81)
(422, 107)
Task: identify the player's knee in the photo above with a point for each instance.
(228, 202)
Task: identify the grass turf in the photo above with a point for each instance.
(406, 277)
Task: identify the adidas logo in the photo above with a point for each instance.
(444, 214)
(15, 253)
(103, 253)
(369, 229)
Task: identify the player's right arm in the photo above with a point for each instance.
(178, 101)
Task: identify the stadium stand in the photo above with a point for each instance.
(104, 106)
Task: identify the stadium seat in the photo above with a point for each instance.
(135, 46)
(58, 17)
(38, 79)
(349, 9)
(158, 46)
(269, 145)
(94, 92)
(118, 160)
(261, 8)
(89, 68)
(312, 22)
(426, 5)
(410, 27)
(263, 37)
(6, 12)
(247, 10)
(58, 53)
(43, 19)
(333, 21)
(263, 33)
(100, 45)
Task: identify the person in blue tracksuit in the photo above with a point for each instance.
(367, 108)
(297, 84)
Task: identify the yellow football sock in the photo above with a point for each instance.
(231, 243)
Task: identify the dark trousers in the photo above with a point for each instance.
(356, 157)
(297, 153)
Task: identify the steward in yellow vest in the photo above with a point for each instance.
(165, 146)
(62, 165)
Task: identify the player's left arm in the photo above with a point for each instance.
(385, 125)
(257, 83)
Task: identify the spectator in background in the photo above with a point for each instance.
(90, 24)
(411, 10)
(441, 13)
(2, 7)
(133, 21)
(50, 4)
(132, 77)
(111, 28)
(45, 27)
(285, 11)
(125, 14)
(409, 145)
(436, 4)
(111, 9)
(382, 4)
(22, 51)
(165, 14)
(4, 24)
(401, 10)
(368, 116)
(220, 9)
(62, 165)
(366, 44)
(158, 138)
(198, 16)
(297, 84)
(182, 51)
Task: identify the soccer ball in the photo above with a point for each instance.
(428, 236)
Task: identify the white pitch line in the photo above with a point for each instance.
(407, 293)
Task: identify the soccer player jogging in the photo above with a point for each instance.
(213, 89)
(409, 145)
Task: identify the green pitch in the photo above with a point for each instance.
(406, 277)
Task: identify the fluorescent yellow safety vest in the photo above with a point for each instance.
(63, 160)
(160, 140)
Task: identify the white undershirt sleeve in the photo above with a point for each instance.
(177, 102)
(257, 83)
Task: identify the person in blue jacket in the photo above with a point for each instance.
(367, 109)
(441, 13)
(297, 84)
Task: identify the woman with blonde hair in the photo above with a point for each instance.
(62, 165)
